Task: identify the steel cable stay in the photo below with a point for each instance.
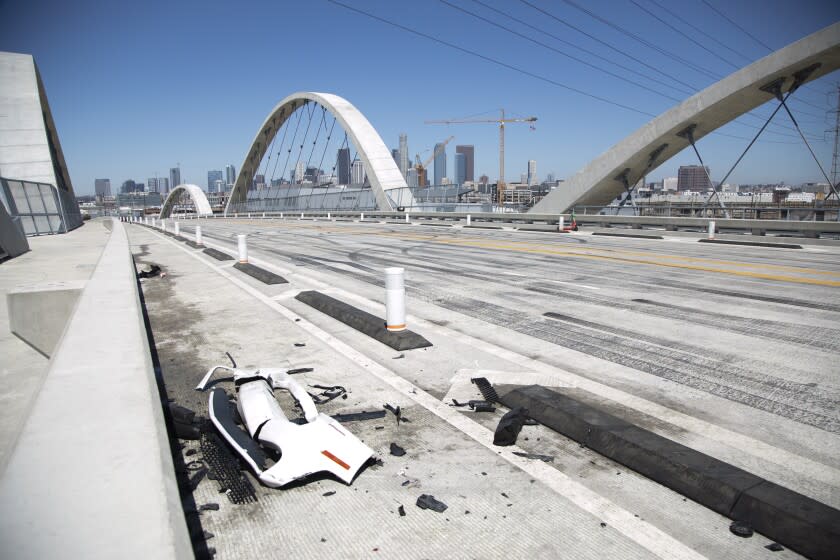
(321, 124)
(302, 142)
(292, 144)
(279, 151)
(628, 189)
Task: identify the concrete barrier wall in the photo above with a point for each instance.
(92, 475)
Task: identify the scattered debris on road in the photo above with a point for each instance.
(509, 426)
(544, 458)
(427, 501)
(741, 529)
(396, 450)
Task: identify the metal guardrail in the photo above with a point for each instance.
(723, 225)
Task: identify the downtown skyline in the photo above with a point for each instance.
(91, 88)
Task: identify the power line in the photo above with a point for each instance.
(517, 69)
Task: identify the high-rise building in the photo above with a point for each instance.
(669, 184)
(460, 168)
(230, 174)
(300, 169)
(163, 185)
(440, 163)
(152, 183)
(344, 166)
(139, 187)
(219, 187)
(358, 173)
(532, 172)
(174, 177)
(469, 161)
(212, 177)
(694, 178)
(412, 178)
(102, 187)
(128, 186)
(402, 163)
(259, 182)
(483, 180)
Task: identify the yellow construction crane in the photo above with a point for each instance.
(421, 167)
(501, 122)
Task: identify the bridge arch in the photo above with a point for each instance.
(381, 169)
(605, 177)
(202, 205)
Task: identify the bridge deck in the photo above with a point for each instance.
(730, 350)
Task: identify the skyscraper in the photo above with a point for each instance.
(460, 168)
(344, 166)
(532, 172)
(440, 163)
(693, 178)
(358, 173)
(230, 174)
(128, 186)
(152, 183)
(469, 161)
(102, 187)
(300, 169)
(163, 185)
(174, 177)
(412, 178)
(403, 161)
(395, 153)
(212, 177)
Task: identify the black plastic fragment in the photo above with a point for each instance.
(741, 529)
(456, 403)
(509, 426)
(184, 421)
(359, 416)
(328, 393)
(537, 456)
(486, 389)
(295, 371)
(401, 511)
(196, 479)
(774, 547)
(482, 406)
(330, 493)
(396, 410)
(211, 506)
(427, 501)
(396, 450)
(224, 469)
(300, 344)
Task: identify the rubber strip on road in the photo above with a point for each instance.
(799, 522)
(260, 274)
(218, 255)
(634, 235)
(362, 321)
(752, 243)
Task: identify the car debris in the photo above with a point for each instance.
(774, 547)
(401, 511)
(295, 371)
(396, 450)
(210, 506)
(396, 410)
(184, 420)
(359, 416)
(328, 393)
(300, 344)
(224, 469)
(321, 444)
(148, 271)
(330, 493)
(741, 529)
(537, 456)
(427, 501)
(481, 406)
(486, 389)
(509, 426)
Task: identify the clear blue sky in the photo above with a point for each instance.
(135, 87)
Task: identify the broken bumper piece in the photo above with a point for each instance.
(320, 445)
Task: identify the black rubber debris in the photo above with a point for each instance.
(741, 529)
(537, 456)
(328, 393)
(196, 478)
(295, 371)
(190, 452)
(509, 426)
(211, 506)
(186, 425)
(396, 450)
(401, 511)
(330, 493)
(456, 403)
(148, 271)
(774, 547)
(300, 344)
(261, 274)
(362, 321)
(427, 501)
(396, 410)
(486, 389)
(482, 406)
(359, 416)
(218, 255)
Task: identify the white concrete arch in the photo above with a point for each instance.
(381, 169)
(601, 180)
(202, 205)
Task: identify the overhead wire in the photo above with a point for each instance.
(515, 68)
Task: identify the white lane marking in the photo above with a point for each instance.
(739, 443)
(637, 530)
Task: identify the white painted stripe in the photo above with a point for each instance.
(646, 535)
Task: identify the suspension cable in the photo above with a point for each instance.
(291, 145)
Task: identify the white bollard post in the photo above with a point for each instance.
(198, 236)
(395, 299)
(177, 228)
(469, 219)
(561, 223)
(163, 225)
(243, 247)
(263, 215)
(362, 217)
(281, 216)
(711, 229)
(153, 222)
(407, 218)
(301, 215)
(329, 216)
